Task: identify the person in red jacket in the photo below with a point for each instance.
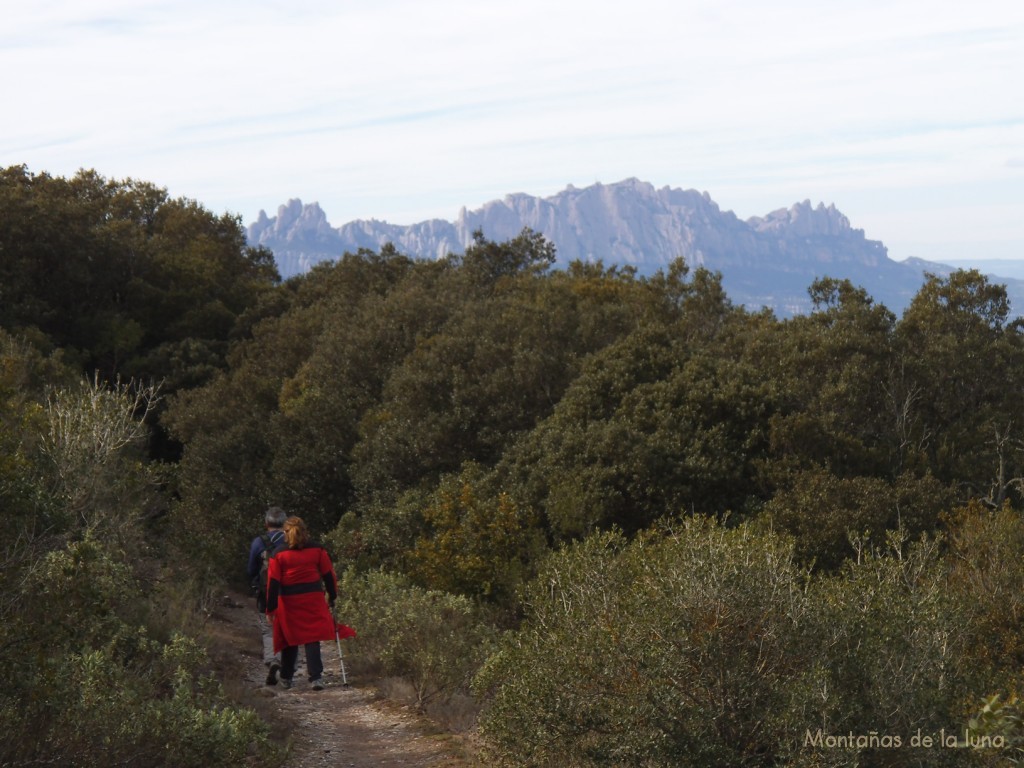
(298, 574)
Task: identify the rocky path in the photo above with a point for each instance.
(338, 726)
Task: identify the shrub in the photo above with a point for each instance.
(433, 639)
(987, 575)
(93, 688)
(672, 650)
(1000, 723)
(476, 545)
(891, 639)
(822, 511)
(87, 683)
(706, 646)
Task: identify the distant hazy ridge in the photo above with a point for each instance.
(765, 261)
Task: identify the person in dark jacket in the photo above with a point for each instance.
(299, 575)
(268, 541)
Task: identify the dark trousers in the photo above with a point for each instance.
(314, 664)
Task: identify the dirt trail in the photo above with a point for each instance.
(338, 726)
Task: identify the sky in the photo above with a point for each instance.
(908, 115)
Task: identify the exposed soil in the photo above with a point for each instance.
(341, 725)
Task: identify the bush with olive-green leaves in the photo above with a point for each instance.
(893, 638)
(999, 722)
(88, 683)
(676, 649)
(987, 575)
(92, 674)
(473, 543)
(132, 701)
(829, 516)
(707, 646)
(434, 640)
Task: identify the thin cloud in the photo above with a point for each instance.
(401, 109)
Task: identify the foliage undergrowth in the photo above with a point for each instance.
(434, 639)
(96, 674)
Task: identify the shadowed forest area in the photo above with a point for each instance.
(617, 520)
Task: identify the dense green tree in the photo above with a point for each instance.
(830, 370)
(225, 470)
(463, 393)
(324, 402)
(959, 359)
(671, 417)
(130, 281)
(493, 366)
(279, 425)
(486, 262)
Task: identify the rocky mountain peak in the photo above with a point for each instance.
(805, 220)
(767, 260)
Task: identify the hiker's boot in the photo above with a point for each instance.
(317, 685)
(272, 673)
(286, 683)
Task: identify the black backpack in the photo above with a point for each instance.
(269, 545)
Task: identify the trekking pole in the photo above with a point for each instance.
(341, 659)
(339, 631)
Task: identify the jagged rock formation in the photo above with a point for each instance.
(299, 236)
(765, 261)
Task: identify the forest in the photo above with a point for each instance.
(629, 522)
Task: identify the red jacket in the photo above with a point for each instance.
(295, 595)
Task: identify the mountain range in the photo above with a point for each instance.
(765, 261)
